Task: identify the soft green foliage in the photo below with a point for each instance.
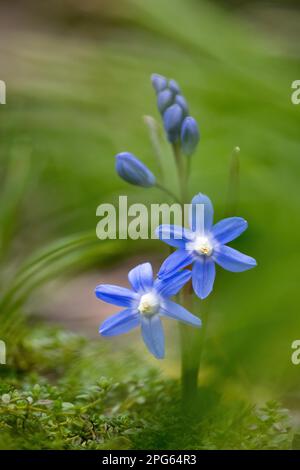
(68, 404)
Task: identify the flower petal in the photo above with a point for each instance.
(228, 229)
(233, 260)
(203, 276)
(196, 214)
(120, 323)
(172, 285)
(177, 312)
(141, 277)
(174, 235)
(176, 261)
(116, 295)
(153, 335)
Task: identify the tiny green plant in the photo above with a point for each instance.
(72, 402)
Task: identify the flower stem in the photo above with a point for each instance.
(182, 172)
(188, 169)
(189, 366)
(168, 192)
(189, 338)
(192, 344)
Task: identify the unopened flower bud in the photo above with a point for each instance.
(173, 85)
(165, 99)
(159, 82)
(132, 170)
(179, 99)
(189, 135)
(172, 122)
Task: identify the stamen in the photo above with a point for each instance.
(202, 245)
(149, 304)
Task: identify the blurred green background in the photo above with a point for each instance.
(77, 76)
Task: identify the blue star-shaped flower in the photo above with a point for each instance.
(203, 245)
(144, 305)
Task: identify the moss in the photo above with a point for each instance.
(67, 404)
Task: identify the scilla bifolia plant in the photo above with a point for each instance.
(198, 249)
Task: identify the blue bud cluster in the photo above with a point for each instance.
(178, 124)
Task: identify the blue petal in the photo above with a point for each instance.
(176, 261)
(177, 312)
(174, 235)
(120, 323)
(141, 277)
(171, 286)
(233, 260)
(153, 335)
(195, 214)
(203, 276)
(116, 295)
(228, 229)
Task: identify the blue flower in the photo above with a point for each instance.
(203, 245)
(145, 304)
(132, 170)
(189, 136)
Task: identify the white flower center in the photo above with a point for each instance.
(201, 245)
(149, 304)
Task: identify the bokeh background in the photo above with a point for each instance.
(78, 86)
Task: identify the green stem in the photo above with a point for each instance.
(193, 341)
(189, 364)
(190, 338)
(192, 345)
(182, 171)
(90, 405)
(168, 192)
(188, 169)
